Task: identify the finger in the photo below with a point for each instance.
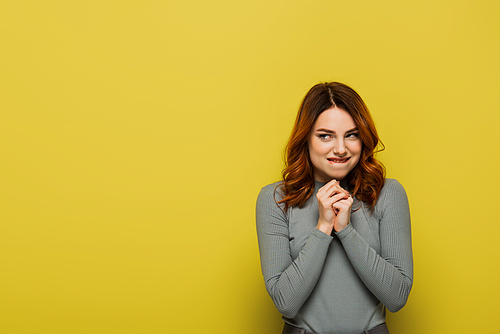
(343, 205)
(332, 195)
(327, 186)
(339, 207)
(335, 198)
(331, 187)
(336, 189)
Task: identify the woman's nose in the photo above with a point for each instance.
(339, 148)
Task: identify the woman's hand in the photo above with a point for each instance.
(334, 205)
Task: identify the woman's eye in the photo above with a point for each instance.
(324, 136)
(353, 135)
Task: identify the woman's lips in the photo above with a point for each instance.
(338, 160)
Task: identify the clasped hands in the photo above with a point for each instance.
(334, 205)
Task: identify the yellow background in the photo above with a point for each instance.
(136, 135)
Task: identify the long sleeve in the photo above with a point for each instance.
(289, 282)
(389, 275)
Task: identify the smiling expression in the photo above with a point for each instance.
(334, 145)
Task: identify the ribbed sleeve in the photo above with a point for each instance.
(389, 275)
(288, 282)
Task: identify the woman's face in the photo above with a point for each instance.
(334, 145)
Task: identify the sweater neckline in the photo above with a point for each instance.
(319, 184)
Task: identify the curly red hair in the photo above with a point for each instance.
(365, 181)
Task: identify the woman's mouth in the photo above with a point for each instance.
(338, 160)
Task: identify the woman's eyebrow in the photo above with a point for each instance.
(331, 131)
(325, 130)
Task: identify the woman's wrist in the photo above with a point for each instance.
(325, 228)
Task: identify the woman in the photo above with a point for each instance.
(334, 234)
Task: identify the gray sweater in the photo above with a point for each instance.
(340, 283)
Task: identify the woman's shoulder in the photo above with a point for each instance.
(392, 191)
(272, 190)
(273, 185)
(391, 185)
(269, 198)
